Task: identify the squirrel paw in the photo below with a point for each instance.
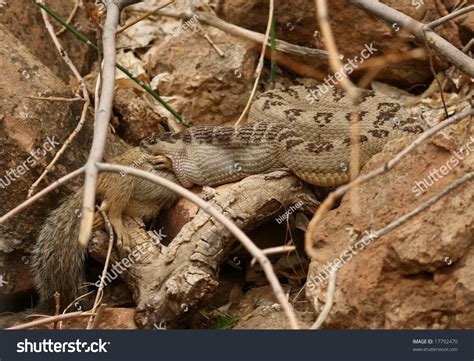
(123, 238)
(161, 162)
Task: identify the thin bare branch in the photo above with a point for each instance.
(143, 17)
(214, 21)
(85, 96)
(102, 119)
(438, 22)
(70, 17)
(441, 45)
(274, 250)
(55, 99)
(329, 301)
(258, 71)
(40, 194)
(100, 291)
(351, 90)
(45, 321)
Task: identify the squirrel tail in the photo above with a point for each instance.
(58, 261)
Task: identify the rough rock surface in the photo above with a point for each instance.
(296, 23)
(31, 132)
(419, 275)
(137, 119)
(23, 19)
(259, 309)
(206, 88)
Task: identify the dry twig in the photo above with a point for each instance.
(51, 319)
(143, 17)
(258, 71)
(214, 21)
(351, 90)
(100, 290)
(329, 301)
(441, 45)
(70, 17)
(102, 119)
(85, 97)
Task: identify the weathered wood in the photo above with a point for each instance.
(169, 282)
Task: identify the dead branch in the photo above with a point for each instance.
(40, 194)
(351, 90)
(85, 97)
(258, 71)
(51, 319)
(102, 116)
(442, 46)
(329, 301)
(214, 21)
(100, 290)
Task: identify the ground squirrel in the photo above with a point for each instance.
(58, 260)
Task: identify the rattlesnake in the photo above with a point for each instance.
(286, 131)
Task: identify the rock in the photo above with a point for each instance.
(296, 23)
(421, 274)
(206, 88)
(31, 132)
(111, 319)
(23, 19)
(137, 119)
(259, 309)
(29, 125)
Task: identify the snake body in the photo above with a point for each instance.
(286, 131)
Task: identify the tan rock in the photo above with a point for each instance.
(31, 132)
(206, 88)
(137, 119)
(23, 19)
(420, 275)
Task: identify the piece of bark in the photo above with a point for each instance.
(170, 282)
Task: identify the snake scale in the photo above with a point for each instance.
(285, 131)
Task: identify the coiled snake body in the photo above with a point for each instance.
(285, 131)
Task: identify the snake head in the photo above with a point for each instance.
(160, 143)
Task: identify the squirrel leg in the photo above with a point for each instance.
(123, 238)
(98, 221)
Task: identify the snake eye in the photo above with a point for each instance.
(148, 141)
